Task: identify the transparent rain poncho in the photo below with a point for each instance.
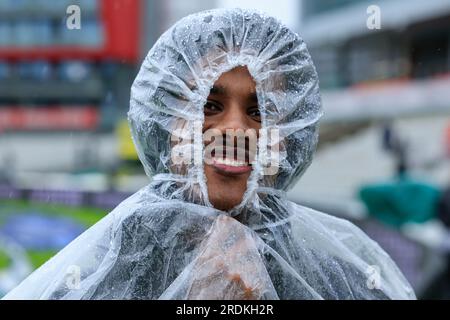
(167, 241)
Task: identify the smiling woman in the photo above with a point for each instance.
(222, 227)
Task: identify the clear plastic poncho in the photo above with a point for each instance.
(167, 241)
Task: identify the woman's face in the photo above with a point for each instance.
(232, 106)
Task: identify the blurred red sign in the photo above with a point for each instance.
(48, 118)
(121, 24)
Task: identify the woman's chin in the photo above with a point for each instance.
(225, 192)
(225, 204)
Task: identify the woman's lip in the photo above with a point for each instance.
(231, 169)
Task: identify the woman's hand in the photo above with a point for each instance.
(229, 266)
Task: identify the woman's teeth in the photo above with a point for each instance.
(231, 162)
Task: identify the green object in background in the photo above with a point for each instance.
(401, 201)
(38, 258)
(85, 216)
(4, 260)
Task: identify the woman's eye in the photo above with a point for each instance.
(211, 108)
(255, 114)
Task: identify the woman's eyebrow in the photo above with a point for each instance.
(221, 90)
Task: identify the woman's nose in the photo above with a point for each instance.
(233, 118)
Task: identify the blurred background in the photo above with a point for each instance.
(383, 161)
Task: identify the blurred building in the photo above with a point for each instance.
(398, 74)
(413, 41)
(61, 89)
(405, 63)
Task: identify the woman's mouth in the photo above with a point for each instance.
(231, 166)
